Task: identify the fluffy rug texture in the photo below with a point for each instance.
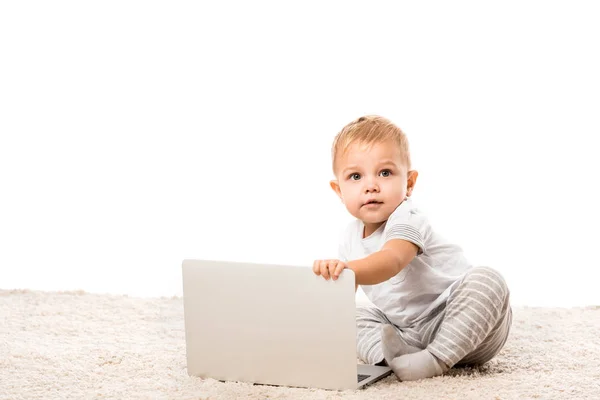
(82, 346)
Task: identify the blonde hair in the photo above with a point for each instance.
(370, 129)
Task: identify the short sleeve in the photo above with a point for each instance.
(408, 224)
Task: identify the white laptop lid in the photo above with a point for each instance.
(269, 324)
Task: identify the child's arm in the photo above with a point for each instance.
(375, 268)
(385, 263)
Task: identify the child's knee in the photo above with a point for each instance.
(489, 277)
(368, 313)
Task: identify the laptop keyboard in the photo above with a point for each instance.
(362, 377)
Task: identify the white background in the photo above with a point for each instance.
(137, 134)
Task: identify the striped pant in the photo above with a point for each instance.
(469, 328)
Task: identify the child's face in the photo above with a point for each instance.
(372, 181)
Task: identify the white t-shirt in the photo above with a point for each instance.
(425, 282)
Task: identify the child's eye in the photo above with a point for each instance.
(385, 173)
(355, 176)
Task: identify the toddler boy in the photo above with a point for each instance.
(432, 309)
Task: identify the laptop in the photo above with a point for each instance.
(272, 324)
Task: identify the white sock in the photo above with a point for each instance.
(392, 344)
(410, 367)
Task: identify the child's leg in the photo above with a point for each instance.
(492, 344)
(477, 316)
(369, 322)
(472, 327)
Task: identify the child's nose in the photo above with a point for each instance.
(371, 185)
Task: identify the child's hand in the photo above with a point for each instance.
(329, 268)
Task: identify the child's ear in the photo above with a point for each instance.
(411, 181)
(336, 188)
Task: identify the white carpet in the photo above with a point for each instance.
(82, 346)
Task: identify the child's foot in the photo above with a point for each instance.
(393, 345)
(423, 364)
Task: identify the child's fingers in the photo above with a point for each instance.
(339, 267)
(328, 268)
(317, 267)
(331, 265)
(324, 269)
